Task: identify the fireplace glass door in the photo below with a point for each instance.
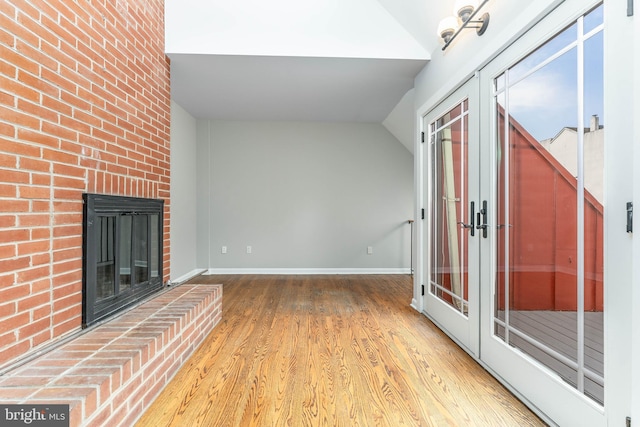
(122, 253)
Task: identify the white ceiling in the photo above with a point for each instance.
(324, 61)
(290, 88)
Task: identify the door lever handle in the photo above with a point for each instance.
(471, 226)
(482, 219)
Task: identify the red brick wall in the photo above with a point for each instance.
(84, 107)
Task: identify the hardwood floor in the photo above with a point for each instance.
(330, 351)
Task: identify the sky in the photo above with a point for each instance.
(545, 102)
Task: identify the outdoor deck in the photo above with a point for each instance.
(558, 330)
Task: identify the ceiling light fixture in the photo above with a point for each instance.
(464, 13)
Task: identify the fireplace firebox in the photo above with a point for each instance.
(122, 253)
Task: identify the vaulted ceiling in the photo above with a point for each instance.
(316, 60)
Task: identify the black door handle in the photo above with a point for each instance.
(482, 219)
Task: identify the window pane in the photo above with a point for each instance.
(542, 211)
(543, 53)
(545, 103)
(453, 114)
(436, 215)
(593, 19)
(449, 210)
(502, 229)
(499, 83)
(594, 212)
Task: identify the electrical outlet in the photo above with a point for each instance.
(369, 250)
(224, 249)
(249, 249)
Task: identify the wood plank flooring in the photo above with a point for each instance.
(329, 351)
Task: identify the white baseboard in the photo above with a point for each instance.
(189, 275)
(293, 271)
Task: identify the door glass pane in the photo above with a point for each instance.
(105, 277)
(549, 287)
(542, 54)
(503, 231)
(594, 211)
(449, 208)
(544, 103)
(140, 249)
(593, 19)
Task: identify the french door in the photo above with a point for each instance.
(514, 197)
(454, 215)
(543, 329)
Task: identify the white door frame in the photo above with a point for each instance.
(635, 138)
(622, 90)
(622, 271)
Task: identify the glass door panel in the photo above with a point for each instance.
(449, 214)
(593, 170)
(546, 322)
(549, 300)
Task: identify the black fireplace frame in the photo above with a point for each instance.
(99, 206)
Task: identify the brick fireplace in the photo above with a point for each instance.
(84, 108)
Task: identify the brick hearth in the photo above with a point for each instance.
(111, 374)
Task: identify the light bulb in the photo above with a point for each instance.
(464, 8)
(447, 28)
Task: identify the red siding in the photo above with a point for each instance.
(543, 229)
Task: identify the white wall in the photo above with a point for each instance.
(328, 28)
(420, 18)
(401, 121)
(204, 203)
(183, 193)
(305, 195)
